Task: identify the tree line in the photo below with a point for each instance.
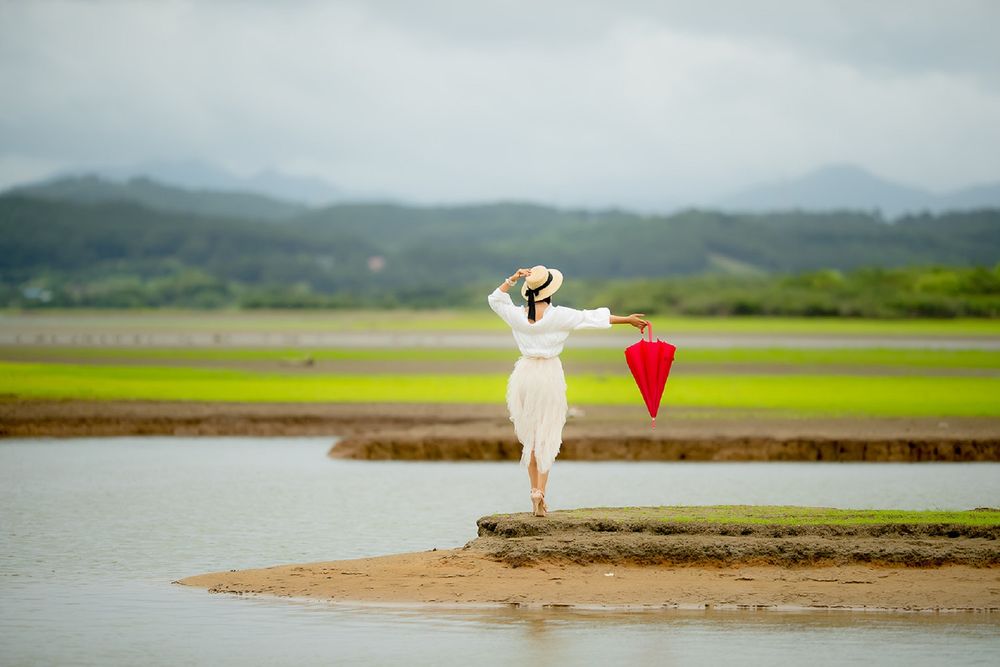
(851, 263)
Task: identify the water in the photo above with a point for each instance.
(94, 530)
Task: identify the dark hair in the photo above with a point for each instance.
(547, 299)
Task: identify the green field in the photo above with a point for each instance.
(472, 320)
(790, 516)
(805, 394)
(883, 381)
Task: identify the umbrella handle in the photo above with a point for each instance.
(650, 326)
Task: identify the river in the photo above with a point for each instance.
(95, 530)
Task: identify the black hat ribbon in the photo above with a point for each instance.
(532, 293)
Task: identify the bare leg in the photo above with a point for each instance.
(533, 471)
(538, 479)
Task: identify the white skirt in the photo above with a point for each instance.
(536, 400)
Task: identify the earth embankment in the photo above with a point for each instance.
(640, 536)
(428, 431)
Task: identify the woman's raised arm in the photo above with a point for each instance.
(520, 273)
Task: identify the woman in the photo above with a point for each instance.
(536, 391)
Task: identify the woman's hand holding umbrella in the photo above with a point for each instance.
(635, 319)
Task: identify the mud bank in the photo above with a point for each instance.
(72, 418)
(628, 538)
(567, 559)
(660, 448)
(415, 431)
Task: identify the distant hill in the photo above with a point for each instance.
(848, 187)
(200, 175)
(837, 187)
(95, 189)
(977, 196)
(431, 252)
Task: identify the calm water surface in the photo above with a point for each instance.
(94, 530)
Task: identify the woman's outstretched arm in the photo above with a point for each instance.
(635, 319)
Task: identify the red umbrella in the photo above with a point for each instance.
(650, 365)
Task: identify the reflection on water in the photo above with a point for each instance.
(95, 529)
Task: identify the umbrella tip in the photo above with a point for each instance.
(654, 422)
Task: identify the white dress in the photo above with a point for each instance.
(536, 390)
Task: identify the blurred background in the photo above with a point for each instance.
(809, 158)
(785, 189)
(253, 218)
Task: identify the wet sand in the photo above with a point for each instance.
(409, 431)
(572, 564)
(461, 577)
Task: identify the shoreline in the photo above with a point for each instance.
(673, 558)
(456, 578)
(637, 608)
(475, 432)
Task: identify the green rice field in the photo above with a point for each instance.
(806, 394)
(877, 381)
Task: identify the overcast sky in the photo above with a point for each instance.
(593, 103)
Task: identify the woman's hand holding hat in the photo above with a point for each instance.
(520, 273)
(512, 280)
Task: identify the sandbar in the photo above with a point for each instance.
(629, 558)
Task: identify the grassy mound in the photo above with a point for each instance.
(727, 535)
(783, 515)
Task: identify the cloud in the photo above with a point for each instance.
(638, 104)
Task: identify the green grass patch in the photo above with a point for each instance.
(893, 357)
(776, 356)
(806, 394)
(790, 515)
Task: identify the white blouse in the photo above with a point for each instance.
(546, 336)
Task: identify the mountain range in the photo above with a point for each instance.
(849, 187)
(207, 189)
(93, 240)
(92, 189)
(202, 175)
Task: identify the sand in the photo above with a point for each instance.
(466, 576)
(649, 557)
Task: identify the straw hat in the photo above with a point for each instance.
(546, 281)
